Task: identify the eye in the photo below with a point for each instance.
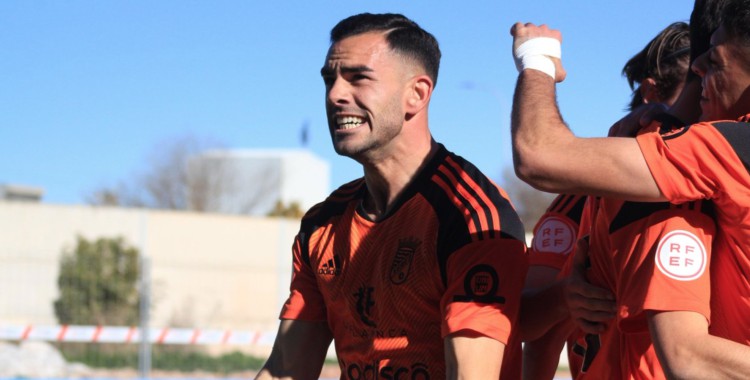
(359, 77)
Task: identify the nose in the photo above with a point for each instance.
(699, 65)
(337, 92)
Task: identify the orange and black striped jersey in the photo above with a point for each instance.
(651, 256)
(448, 257)
(712, 161)
(556, 232)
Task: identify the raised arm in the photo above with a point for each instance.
(548, 156)
(298, 352)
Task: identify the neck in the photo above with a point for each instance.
(687, 107)
(388, 177)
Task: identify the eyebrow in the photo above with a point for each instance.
(327, 71)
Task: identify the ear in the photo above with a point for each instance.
(417, 95)
(648, 91)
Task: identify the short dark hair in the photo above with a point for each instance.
(736, 20)
(704, 20)
(665, 59)
(402, 34)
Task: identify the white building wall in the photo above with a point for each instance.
(208, 270)
(306, 179)
(256, 179)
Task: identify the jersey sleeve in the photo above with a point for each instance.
(556, 232)
(693, 163)
(483, 292)
(305, 301)
(669, 268)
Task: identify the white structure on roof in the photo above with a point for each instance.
(13, 192)
(252, 181)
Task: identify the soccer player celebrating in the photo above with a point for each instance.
(656, 74)
(416, 269)
(701, 161)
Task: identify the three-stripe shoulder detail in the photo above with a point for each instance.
(333, 206)
(568, 205)
(487, 213)
(337, 201)
(631, 212)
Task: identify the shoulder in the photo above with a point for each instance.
(568, 205)
(634, 212)
(461, 194)
(334, 205)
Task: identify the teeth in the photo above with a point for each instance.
(349, 122)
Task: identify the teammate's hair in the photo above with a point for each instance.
(736, 20)
(704, 20)
(664, 59)
(403, 35)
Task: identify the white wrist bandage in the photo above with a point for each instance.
(535, 54)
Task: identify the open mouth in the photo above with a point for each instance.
(349, 122)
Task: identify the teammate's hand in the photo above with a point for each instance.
(524, 32)
(591, 307)
(637, 119)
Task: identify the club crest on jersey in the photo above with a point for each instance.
(681, 256)
(480, 284)
(402, 259)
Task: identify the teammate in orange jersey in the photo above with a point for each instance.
(703, 160)
(416, 269)
(656, 74)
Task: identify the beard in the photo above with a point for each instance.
(371, 141)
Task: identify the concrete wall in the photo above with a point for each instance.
(208, 270)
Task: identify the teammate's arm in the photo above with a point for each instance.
(548, 156)
(541, 356)
(542, 302)
(298, 352)
(687, 351)
(472, 356)
(573, 297)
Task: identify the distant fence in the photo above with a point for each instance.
(123, 334)
(207, 302)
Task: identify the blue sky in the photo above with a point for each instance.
(88, 89)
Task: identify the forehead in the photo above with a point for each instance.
(724, 46)
(719, 36)
(363, 49)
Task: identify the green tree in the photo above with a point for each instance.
(98, 283)
(293, 210)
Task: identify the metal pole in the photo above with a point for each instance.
(144, 348)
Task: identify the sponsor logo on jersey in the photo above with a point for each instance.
(480, 285)
(554, 235)
(402, 260)
(681, 255)
(361, 371)
(332, 267)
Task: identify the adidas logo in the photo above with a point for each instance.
(332, 267)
